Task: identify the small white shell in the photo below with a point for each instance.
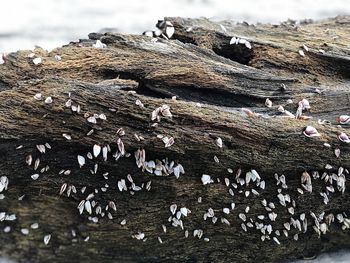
(218, 142)
(99, 44)
(337, 152)
(342, 136)
(25, 231)
(48, 100)
(169, 31)
(173, 208)
(35, 176)
(67, 136)
(37, 61)
(206, 179)
(310, 131)
(268, 103)
(96, 150)
(38, 96)
(47, 239)
(81, 160)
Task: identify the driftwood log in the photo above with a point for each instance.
(122, 84)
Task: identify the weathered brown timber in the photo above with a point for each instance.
(198, 65)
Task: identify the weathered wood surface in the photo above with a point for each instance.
(196, 66)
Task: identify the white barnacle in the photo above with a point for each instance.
(81, 206)
(225, 221)
(81, 160)
(305, 104)
(47, 239)
(63, 188)
(268, 103)
(281, 199)
(99, 44)
(38, 96)
(337, 152)
(234, 40)
(287, 225)
(41, 148)
(343, 137)
(105, 152)
(272, 216)
(165, 111)
(291, 210)
(262, 185)
(92, 119)
(206, 179)
(281, 109)
(184, 211)
(226, 210)
(96, 150)
(255, 176)
(242, 217)
(276, 240)
(310, 131)
(121, 146)
(102, 116)
(67, 136)
(3, 183)
(35, 176)
(139, 103)
(169, 31)
(178, 169)
(245, 42)
(139, 236)
(122, 185)
(25, 231)
(37, 61)
(34, 226)
(218, 142)
(216, 159)
(48, 100)
(168, 141)
(88, 207)
(227, 181)
(173, 208)
(112, 205)
(344, 119)
(11, 217)
(323, 228)
(29, 159)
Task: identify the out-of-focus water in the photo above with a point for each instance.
(337, 257)
(52, 23)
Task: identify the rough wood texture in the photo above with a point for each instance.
(196, 66)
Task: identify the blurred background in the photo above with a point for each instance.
(52, 23)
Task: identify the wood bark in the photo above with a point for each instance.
(212, 81)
